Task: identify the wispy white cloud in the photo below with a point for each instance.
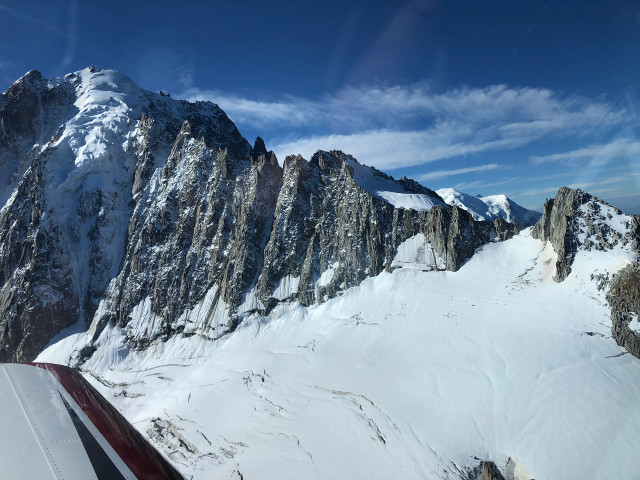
(468, 186)
(583, 185)
(542, 191)
(464, 186)
(185, 77)
(510, 110)
(385, 149)
(603, 191)
(458, 171)
(620, 146)
(393, 149)
(284, 113)
(400, 126)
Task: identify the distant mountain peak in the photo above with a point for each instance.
(490, 207)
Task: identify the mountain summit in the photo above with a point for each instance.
(490, 207)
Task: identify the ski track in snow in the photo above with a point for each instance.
(413, 374)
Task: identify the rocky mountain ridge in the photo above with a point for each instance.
(129, 209)
(574, 222)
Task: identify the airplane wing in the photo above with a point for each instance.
(55, 425)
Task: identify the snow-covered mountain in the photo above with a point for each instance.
(78, 153)
(318, 319)
(490, 207)
(125, 207)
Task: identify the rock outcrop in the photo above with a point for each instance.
(624, 299)
(575, 220)
(490, 472)
(74, 163)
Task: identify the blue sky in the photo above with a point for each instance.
(485, 96)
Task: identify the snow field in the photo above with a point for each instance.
(390, 190)
(410, 375)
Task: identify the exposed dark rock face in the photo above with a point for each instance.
(35, 270)
(236, 229)
(455, 235)
(20, 110)
(63, 223)
(557, 225)
(574, 220)
(624, 298)
(490, 472)
(323, 218)
(411, 186)
(137, 212)
(259, 148)
(192, 231)
(35, 273)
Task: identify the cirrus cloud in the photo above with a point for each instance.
(618, 147)
(400, 126)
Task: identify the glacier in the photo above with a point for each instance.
(412, 374)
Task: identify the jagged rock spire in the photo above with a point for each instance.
(259, 147)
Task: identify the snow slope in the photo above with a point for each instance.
(389, 189)
(88, 168)
(413, 374)
(490, 207)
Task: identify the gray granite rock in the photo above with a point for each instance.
(624, 299)
(490, 472)
(575, 220)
